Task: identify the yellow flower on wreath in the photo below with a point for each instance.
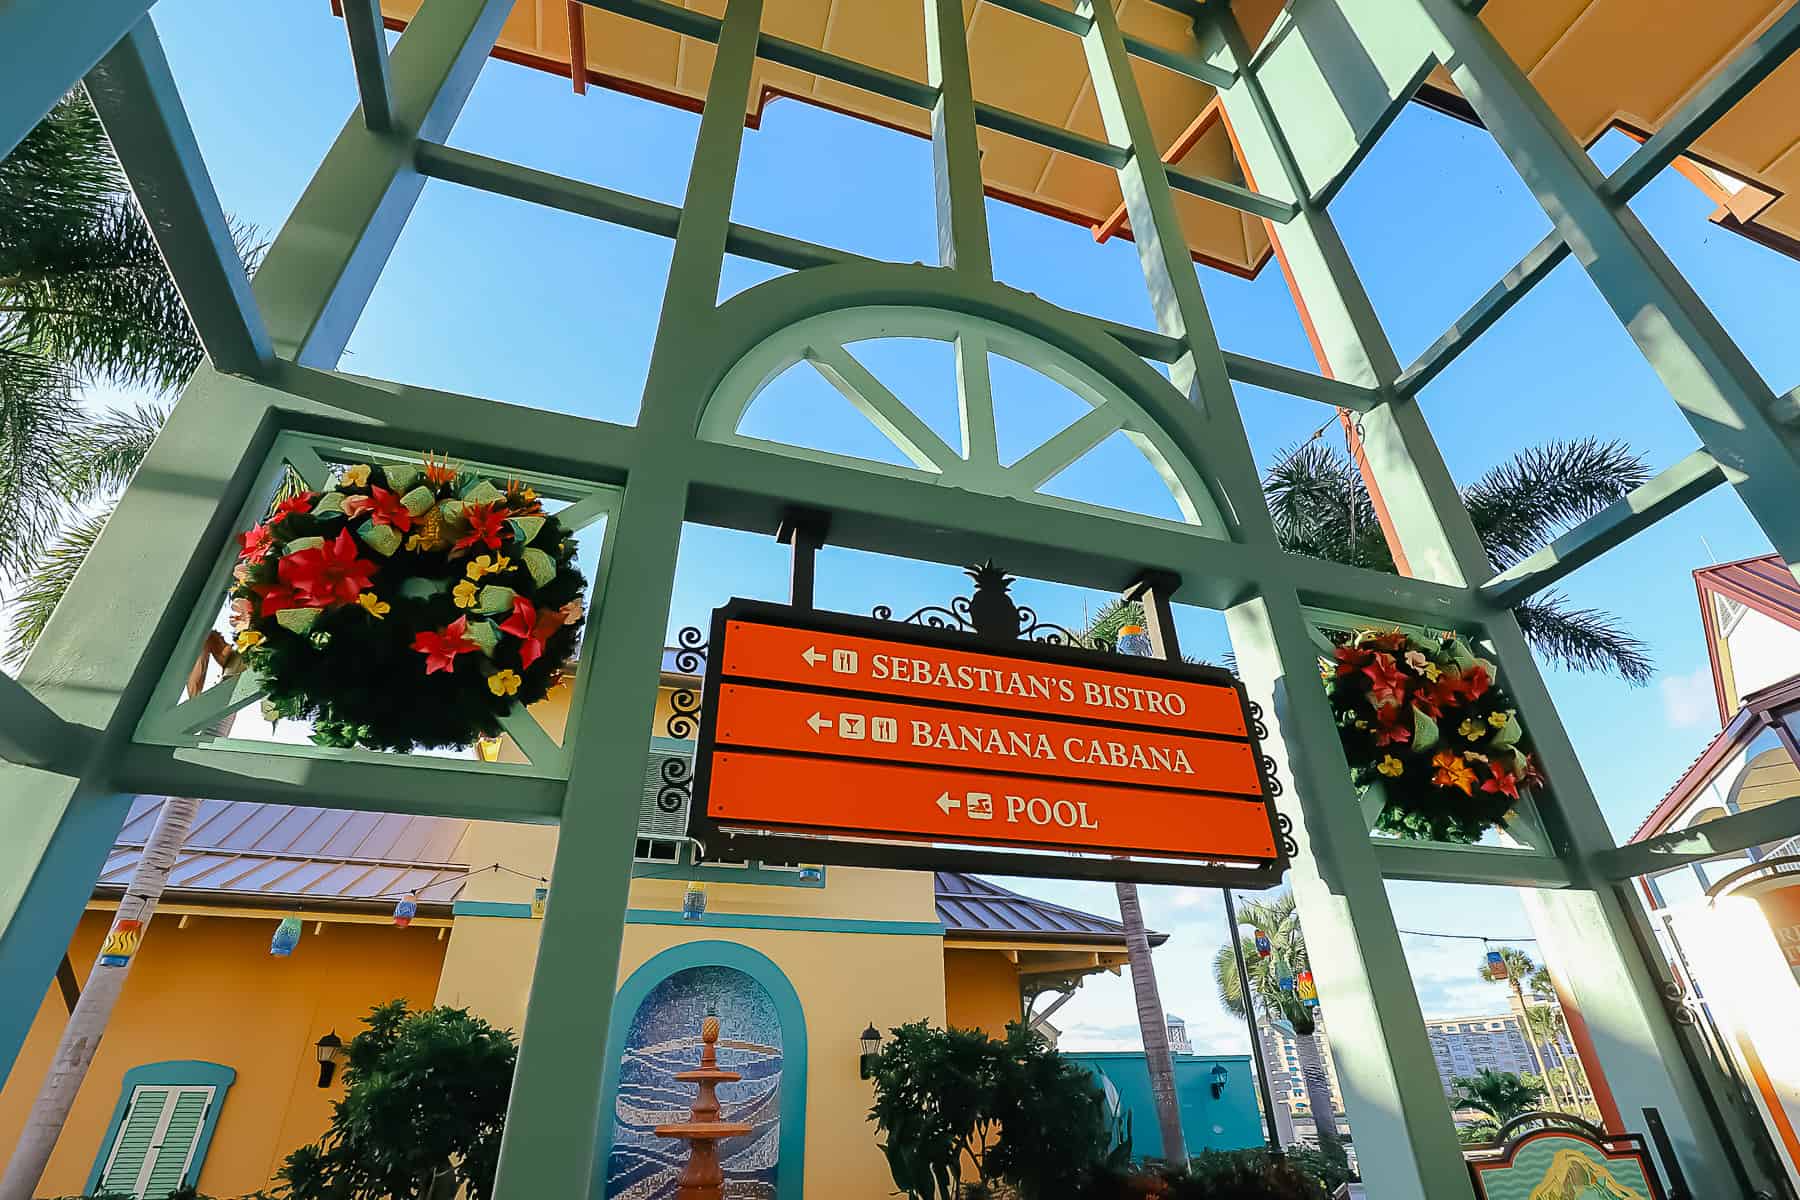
(355, 476)
(1390, 766)
(1471, 728)
(464, 594)
(374, 605)
(489, 564)
(248, 638)
(1499, 719)
(504, 682)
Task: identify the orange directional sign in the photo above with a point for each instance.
(834, 727)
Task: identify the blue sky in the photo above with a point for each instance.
(488, 296)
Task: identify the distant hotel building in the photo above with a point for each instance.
(1293, 1114)
(1466, 1045)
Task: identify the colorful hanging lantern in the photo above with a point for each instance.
(1133, 640)
(121, 942)
(406, 910)
(1308, 992)
(1263, 946)
(1496, 966)
(287, 936)
(1285, 981)
(693, 901)
(540, 900)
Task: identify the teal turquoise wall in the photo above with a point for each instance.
(1228, 1123)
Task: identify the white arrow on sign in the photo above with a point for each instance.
(819, 721)
(946, 802)
(812, 656)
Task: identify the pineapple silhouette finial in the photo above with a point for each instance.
(991, 609)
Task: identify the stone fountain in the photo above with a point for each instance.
(702, 1178)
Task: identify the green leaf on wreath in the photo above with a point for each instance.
(1509, 733)
(401, 476)
(1425, 732)
(417, 587)
(1460, 654)
(451, 511)
(297, 620)
(525, 528)
(418, 501)
(481, 492)
(331, 504)
(484, 634)
(305, 543)
(494, 599)
(383, 539)
(541, 566)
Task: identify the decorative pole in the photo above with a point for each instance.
(702, 1178)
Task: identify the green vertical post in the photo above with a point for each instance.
(955, 153)
(50, 45)
(554, 1116)
(1731, 407)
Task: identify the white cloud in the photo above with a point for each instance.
(1688, 700)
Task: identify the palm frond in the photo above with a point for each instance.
(37, 411)
(1321, 508)
(102, 453)
(1584, 639)
(49, 580)
(59, 177)
(1525, 502)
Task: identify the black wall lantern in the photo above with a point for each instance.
(871, 1047)
(1219, 1076)
(330, 1051)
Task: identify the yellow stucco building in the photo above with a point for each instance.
(216, 1038)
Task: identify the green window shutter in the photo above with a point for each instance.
(137, 1133)
(177, 1145)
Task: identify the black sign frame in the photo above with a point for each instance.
(913, 855)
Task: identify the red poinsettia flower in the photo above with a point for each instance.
(441, 648)
(1532, 777)
(293, 506)
(328, 574)
(1389, 682)
(1501, 780)
(1389, 733)
(1476, 681)
(383, 507)
(1427, 702)
(487, 525)
(1350, 659)
(532, 628)
(275, 597)
(255, 542)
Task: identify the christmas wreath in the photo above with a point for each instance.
(406, 606)
(1431, 724)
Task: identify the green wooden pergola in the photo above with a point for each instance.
(94, 716)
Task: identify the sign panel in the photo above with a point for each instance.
(828, 726)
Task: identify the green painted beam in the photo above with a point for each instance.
(135, 95)
(1232, 195)
(1181, 62)
(672, 17)
(1052, 137)
(368, 55)
(324, 263)
(33, 735)
(1731, 834)
(363, 782)
(1145, 343)
(1671, 490)
(1494, 303)
(1046, 13)
(1496, 866)
(1731, 83)
(844, 71)
(961, 200)
(1728, 403)
(618, 208)
(50, 45)
(1323, 194)
(1304, 384)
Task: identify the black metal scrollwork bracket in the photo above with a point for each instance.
(682, 722)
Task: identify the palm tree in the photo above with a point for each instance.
(1279, 918)
(1519, 966)
(1321, 508)
(1500, 1094)
(84, 298)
